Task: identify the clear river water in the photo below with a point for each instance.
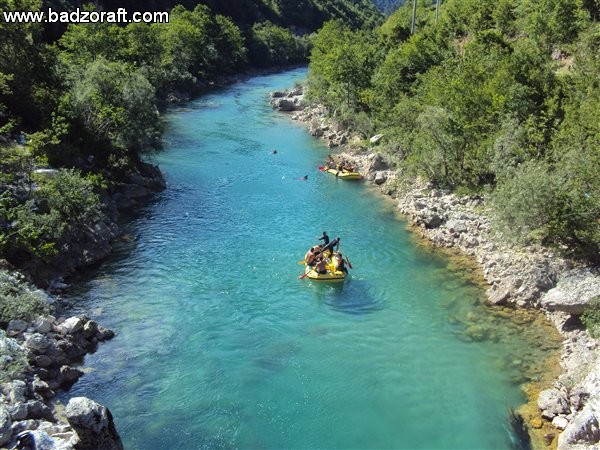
(220, 345)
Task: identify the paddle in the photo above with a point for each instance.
(302, 276)
(322, 168)
(348, 261)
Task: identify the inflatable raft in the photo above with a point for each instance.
(344, 174)
(331, 275)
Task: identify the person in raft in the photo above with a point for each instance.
(331, 244)
(324, 238)
(330, 164)
(339, 264)
(321, 266)
(310, 256)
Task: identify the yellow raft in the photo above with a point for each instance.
(331, 275)
(344, 174)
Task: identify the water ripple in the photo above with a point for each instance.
(221, 344)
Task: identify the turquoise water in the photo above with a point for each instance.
(220, 345)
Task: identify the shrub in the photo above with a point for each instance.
(17, 301)
(35, 226)
(12, 359)
(591, 317)
(526, 203)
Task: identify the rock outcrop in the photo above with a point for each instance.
(287, 101)
(39, 358)
(93, 424)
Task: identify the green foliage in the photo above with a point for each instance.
(72, 196)
(197, 44)
(34, 225)
(526, 203)
(399, 72)
(552, 22)
(15, 162)
(466, 17)
(397, 27)
(13, 360)
(26, 77)
(19, 301)
(498, 96)
(546, 205)
(341, 66)
(116, 104)
(272, 45)
(591, 317)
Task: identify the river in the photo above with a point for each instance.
(220, 345)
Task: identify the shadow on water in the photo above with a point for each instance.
(517, 432)
(350, 297)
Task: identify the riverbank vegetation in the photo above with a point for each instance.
(490, 97)
(79, 104)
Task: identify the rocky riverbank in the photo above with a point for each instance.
(37, 359)
(516, 276)
(41, 357)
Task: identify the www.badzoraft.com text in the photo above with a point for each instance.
(81, 16)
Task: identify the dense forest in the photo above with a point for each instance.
(496, 97)
(388, 6)
(84, 99)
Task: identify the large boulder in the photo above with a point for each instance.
(93, 423)
(380, 178)
(285, 104)
(16, 326)
(584, 429)
(41, 439)
(37, 342)
(573, 292)
(71, 325)
(552, 402)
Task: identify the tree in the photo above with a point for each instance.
(27, 78)
(552, 22)
(273, 45)
(112, 110)
(341, 65)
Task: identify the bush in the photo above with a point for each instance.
(17, 301)
(591, 317)
(34, 227)
(527, 202)
(13, 361)
(72, 196)
(273, 45)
